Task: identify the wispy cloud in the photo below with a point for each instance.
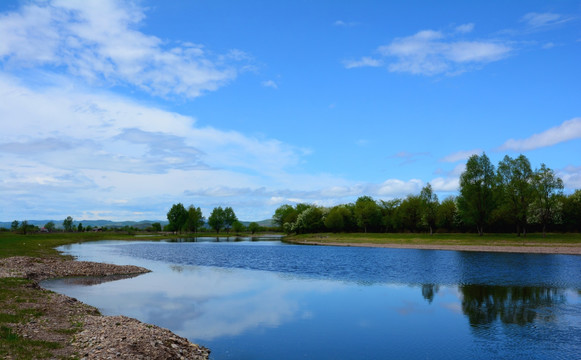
(270, 84)
(363, 62)
(537, 20)
(409, 157)
(99, 41)
(568, 130)
(342, 23)
(464, 28)
(430, 52)
(460, 155)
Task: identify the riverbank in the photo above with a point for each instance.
(37, 323)
(568, 244)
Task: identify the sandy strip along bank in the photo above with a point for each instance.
(565, 249)
(96, 336)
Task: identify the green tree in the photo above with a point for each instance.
(284, 214)
(229, 218)
(24, 227)
(253, 227)
(476, 200)
(15, 225)
(338, 218)
(572, 211)
(548, 188)
(410, 212)
(515, 190)
(156, 226)
(367, 213)
(68, 224)
(49, 226)
(447, 213)
(429, 207)
(194, 220)
(238, 227)
(309, 220)
(80, 227)
(390, 214)
(216, 220)
(177, 217)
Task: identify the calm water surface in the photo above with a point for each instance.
(269, 300)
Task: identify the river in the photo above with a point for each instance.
(270, 300)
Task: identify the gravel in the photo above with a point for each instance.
(79, 328)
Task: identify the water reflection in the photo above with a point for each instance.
(94, 280)
(484, 304)
(266, 301)
(428, 291)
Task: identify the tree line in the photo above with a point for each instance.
(508, 198)
(192, 220)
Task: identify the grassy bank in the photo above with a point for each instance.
(534, 239)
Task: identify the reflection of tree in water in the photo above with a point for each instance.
(512, 304)
(428, 291)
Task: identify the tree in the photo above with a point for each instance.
(177, 217)
(338, 218)
(68, 224)
(390, 213)
(80, 227)
(284, 214)
(194, 220)
(229, 218)
(410, 212)
(253, 227)
(514, 178)
(156, 226)
(216, 219)
(310, 220)
(15, 225)
(447, 213)
(547, 188)
(572, 211)
(238, 227)
(49, 226)
(24, 227)
(476, 201)
(367, 213)
(429, 207)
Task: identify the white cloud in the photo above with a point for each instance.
(396, 187)
(342, 23)
(549, 45)
(460, 155)
(430, 52)
(270, 83)
(568, 130)
(449, 184)
(363, 62)
(537, 20)
(98, 41)
(80, 150)
(464, 28)
(571, 176)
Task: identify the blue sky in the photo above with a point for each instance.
(117, 110)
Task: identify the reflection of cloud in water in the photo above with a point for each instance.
(204, 303)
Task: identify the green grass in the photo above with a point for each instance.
(534, 239)
(14, 293)
(43, 244)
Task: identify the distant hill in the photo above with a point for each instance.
(93, 223)
(117, 224)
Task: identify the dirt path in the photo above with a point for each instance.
(79, 329)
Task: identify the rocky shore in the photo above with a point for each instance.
(78, 328)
